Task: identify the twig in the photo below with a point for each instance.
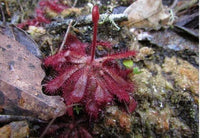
(68, 29)
(65, 37)
(87, 20)
(185, 6)
(173, 4)
(3, 15)
(51, 122)
(20, 5)
(7, 7)
(75, 2)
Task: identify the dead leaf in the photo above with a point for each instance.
(15, 130)
(11, 118)
(20, 83)
(173, 41)
(188, 23)
(148, 14)
(22, 37)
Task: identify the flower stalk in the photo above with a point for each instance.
(95, 19)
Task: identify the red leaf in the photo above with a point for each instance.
(118, 56)
(92, 108)
(73, 44)
(114, 88)
(94, 82)
(56, 83)
(102, 96)
(123, 84)
(56, 60)
(79, 89)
